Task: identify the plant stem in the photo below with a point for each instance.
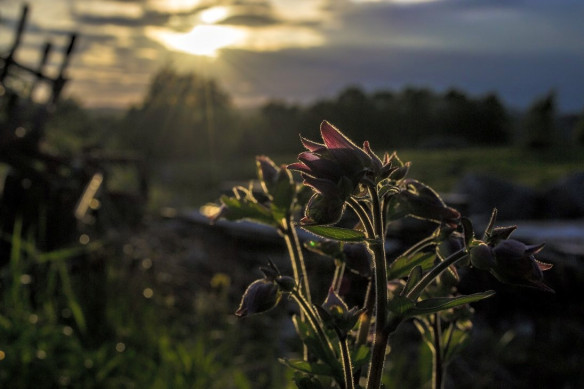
(346, 360)
(415, 292)
(426, 242)
(363, 217)
(313, 319)
(365, 319)
(296, 257)
(377, 249)
(437, 371)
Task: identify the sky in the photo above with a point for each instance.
(302, 50)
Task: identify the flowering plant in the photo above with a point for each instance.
(347, 347)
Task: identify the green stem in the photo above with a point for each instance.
(339, 280)
(363, 217)
(437, 371)
(380, 272)
(346, 360)
(314, 321)
(426, 242)
(415, 292)
(296, 257)
(365, 319)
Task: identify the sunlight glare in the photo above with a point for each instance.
(214, 15)
(203, 40)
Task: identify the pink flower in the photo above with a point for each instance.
(334, 169)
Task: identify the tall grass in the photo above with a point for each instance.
(96, 316)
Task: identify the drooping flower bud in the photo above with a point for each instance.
(260, 296)
(515, 263)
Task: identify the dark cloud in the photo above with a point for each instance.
(305, 74)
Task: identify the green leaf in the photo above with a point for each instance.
(307, 382)
(427, 335)
(360, 356)
(284, 191)
(307, 367)
(336, 233)
(413, 278)
(402, 266)
(400, 306)
(438, 304)
(312, 342)
(240, 209)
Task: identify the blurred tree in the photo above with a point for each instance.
(538, 125)
(181, 116)
(71, 128)
(282, 123)
(578, 130)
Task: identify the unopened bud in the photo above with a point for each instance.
(260, 296)
(481, 257)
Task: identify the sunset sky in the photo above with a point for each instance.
(299, 50)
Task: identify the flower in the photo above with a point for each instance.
(335, 314)
(334, 170)
(515, 263)
(420, 201)
(512, 262)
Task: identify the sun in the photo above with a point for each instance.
(204, 40)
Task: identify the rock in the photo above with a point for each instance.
(565, 199)
(513, 202)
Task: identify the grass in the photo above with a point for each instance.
(125, 315)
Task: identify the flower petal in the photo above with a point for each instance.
(311, 145)
(333, 138)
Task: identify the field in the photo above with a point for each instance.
(192, 183)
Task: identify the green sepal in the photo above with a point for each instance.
(402, 266)
(468, 231)
(336, 233)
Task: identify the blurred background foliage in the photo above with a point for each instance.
(151, 306)
(194, 139)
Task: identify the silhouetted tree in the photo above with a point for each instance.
(538, 125)
(182, 115)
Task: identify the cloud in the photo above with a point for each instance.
(300, 49)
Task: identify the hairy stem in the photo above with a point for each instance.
(363, 217)
(346, 360)
(296, 257)
(419, 246)
(437, 371)
(313, 320)
(377, 249)
(415, 292)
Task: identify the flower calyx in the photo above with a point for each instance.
(336, 315)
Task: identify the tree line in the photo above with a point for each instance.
(184, 115)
